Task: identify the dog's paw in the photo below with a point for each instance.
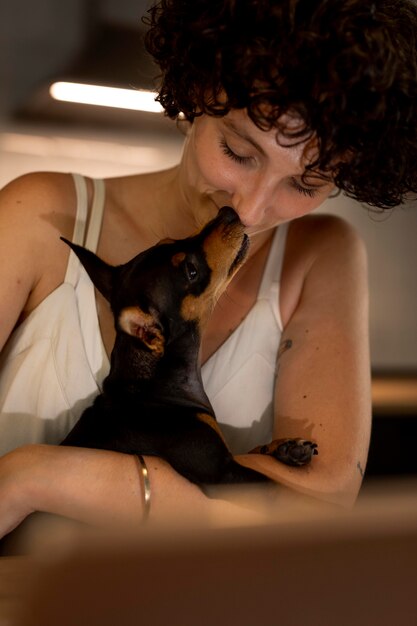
(294, 452)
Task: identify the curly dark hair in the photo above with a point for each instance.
(348, 68)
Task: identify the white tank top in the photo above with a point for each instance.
(54, 363)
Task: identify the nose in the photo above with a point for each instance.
(255, 196)
(251, 207)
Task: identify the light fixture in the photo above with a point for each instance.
(99, 95)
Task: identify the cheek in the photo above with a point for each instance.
(214, 172)
(207, 166)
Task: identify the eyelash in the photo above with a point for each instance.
(228, 152)
(306, 191)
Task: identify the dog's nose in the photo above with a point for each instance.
(228, 215)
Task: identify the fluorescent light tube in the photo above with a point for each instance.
(98, 95)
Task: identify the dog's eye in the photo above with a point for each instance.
(190, 270)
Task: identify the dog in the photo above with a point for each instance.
(153, 400)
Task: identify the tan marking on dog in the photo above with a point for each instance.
(142, 325)
(221, 247)
(178, 258)
(198, 308)
(218, 255)
(211, 421)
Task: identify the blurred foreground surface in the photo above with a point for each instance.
(295, 563)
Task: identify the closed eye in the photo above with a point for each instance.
(243, 160)
(306, 191)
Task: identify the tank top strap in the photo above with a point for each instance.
(96, 215)
(82, 235)
(79, 226)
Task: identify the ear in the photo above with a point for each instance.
(145, 326)
(100, 272)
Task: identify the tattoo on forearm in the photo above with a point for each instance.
(359, 466)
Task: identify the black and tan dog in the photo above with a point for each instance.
(153, 401)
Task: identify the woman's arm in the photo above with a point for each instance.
(323, 389)
(105, 489)
(92, 486)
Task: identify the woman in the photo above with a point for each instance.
(285, 102)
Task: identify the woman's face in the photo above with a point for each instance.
(230, 161)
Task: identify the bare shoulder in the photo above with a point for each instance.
(321, 250)
(36, 196)
(326, 234)
(35, 209)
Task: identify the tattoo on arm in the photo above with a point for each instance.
(359, 466)
(283, 347)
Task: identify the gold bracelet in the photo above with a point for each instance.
(146, 487)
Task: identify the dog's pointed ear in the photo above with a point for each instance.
(100, 272)
(144, 326)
